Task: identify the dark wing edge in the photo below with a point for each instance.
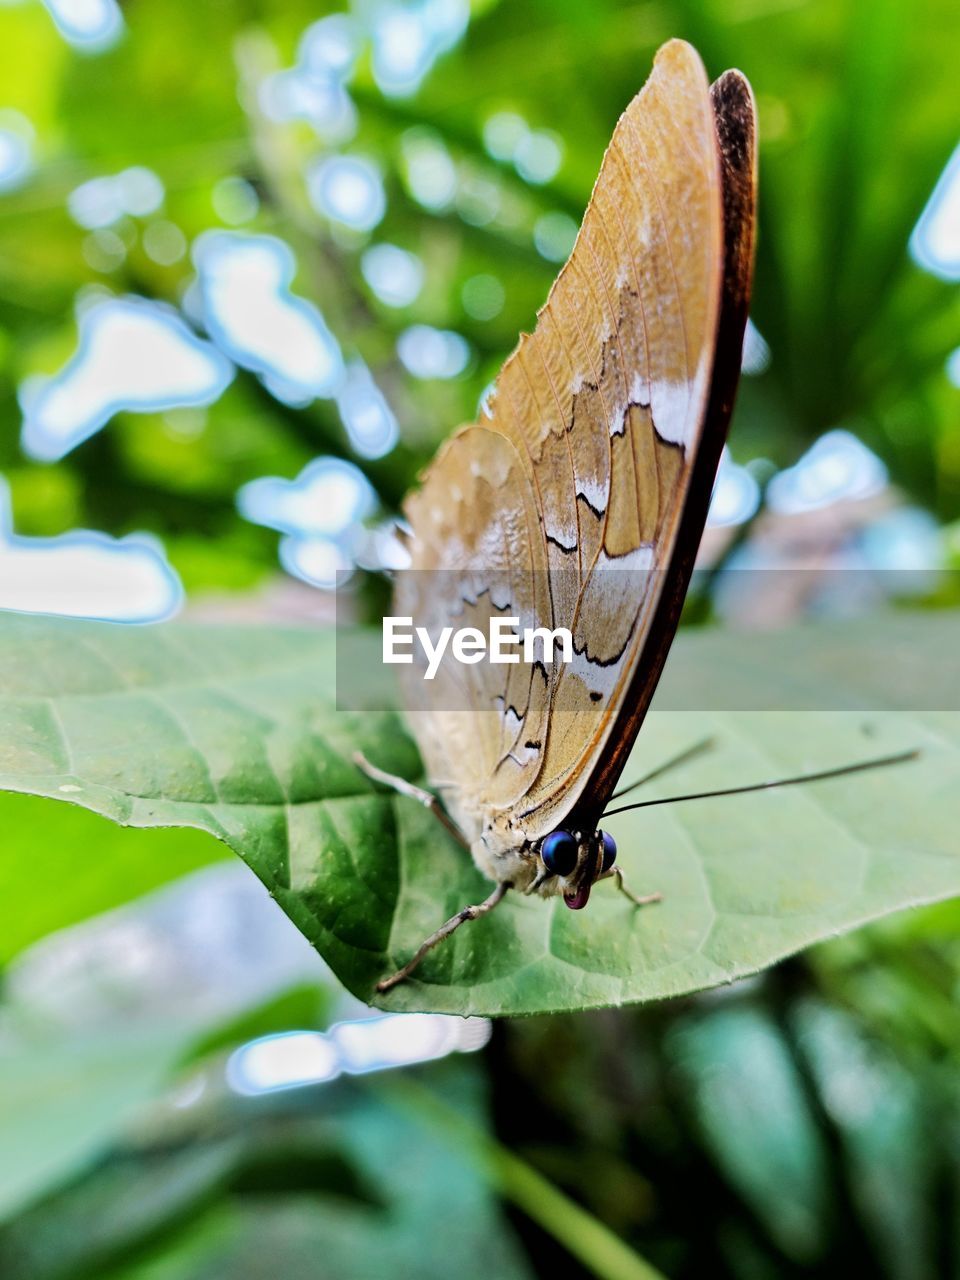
(735, 117)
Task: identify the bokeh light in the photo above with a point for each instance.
(503, 133)
(736, 494)
(248, 308)
(235, 201)
(82, 574)
(101, 202)
(483, 296)
(368, 418)
(538, 156)
(314, 89)
(837, 467)
(554, 235)
(935, 243)
(92, 26)
(429, 171)
(395, 275)
(408, 38)
(298, 1058)
(132, 355)
(327, 497)
(349, 190)
(433, 353)
(756, 353)
(16, 150)
(164, 242)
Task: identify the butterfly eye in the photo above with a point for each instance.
(609, 851)
(559, 852)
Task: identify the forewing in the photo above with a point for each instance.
(599, 416)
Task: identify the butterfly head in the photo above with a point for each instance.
(572, 862)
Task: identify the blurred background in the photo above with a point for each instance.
(256, 260)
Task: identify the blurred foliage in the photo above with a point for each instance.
(123, 865)
(802, 1125)
(311, 1183)
(65, 1094)
(857, 120)
(62, 1098)
(785, 1128)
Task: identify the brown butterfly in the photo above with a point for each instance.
(580, 497)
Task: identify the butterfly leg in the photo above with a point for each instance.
(617, 875)
(405, 788)
(445, 930)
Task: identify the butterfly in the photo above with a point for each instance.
(579, 497)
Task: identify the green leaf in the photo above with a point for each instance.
(330, 1181)
(65, 1096)
(62, 1098)
(40, 846)
(235, 732)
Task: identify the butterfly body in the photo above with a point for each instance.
(510, 856)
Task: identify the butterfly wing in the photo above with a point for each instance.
(736, 126)
(579, 498)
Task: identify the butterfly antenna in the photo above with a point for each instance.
(672, 763)
(862, 765)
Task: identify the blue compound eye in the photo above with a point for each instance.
(609, 851)
(559, 852)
